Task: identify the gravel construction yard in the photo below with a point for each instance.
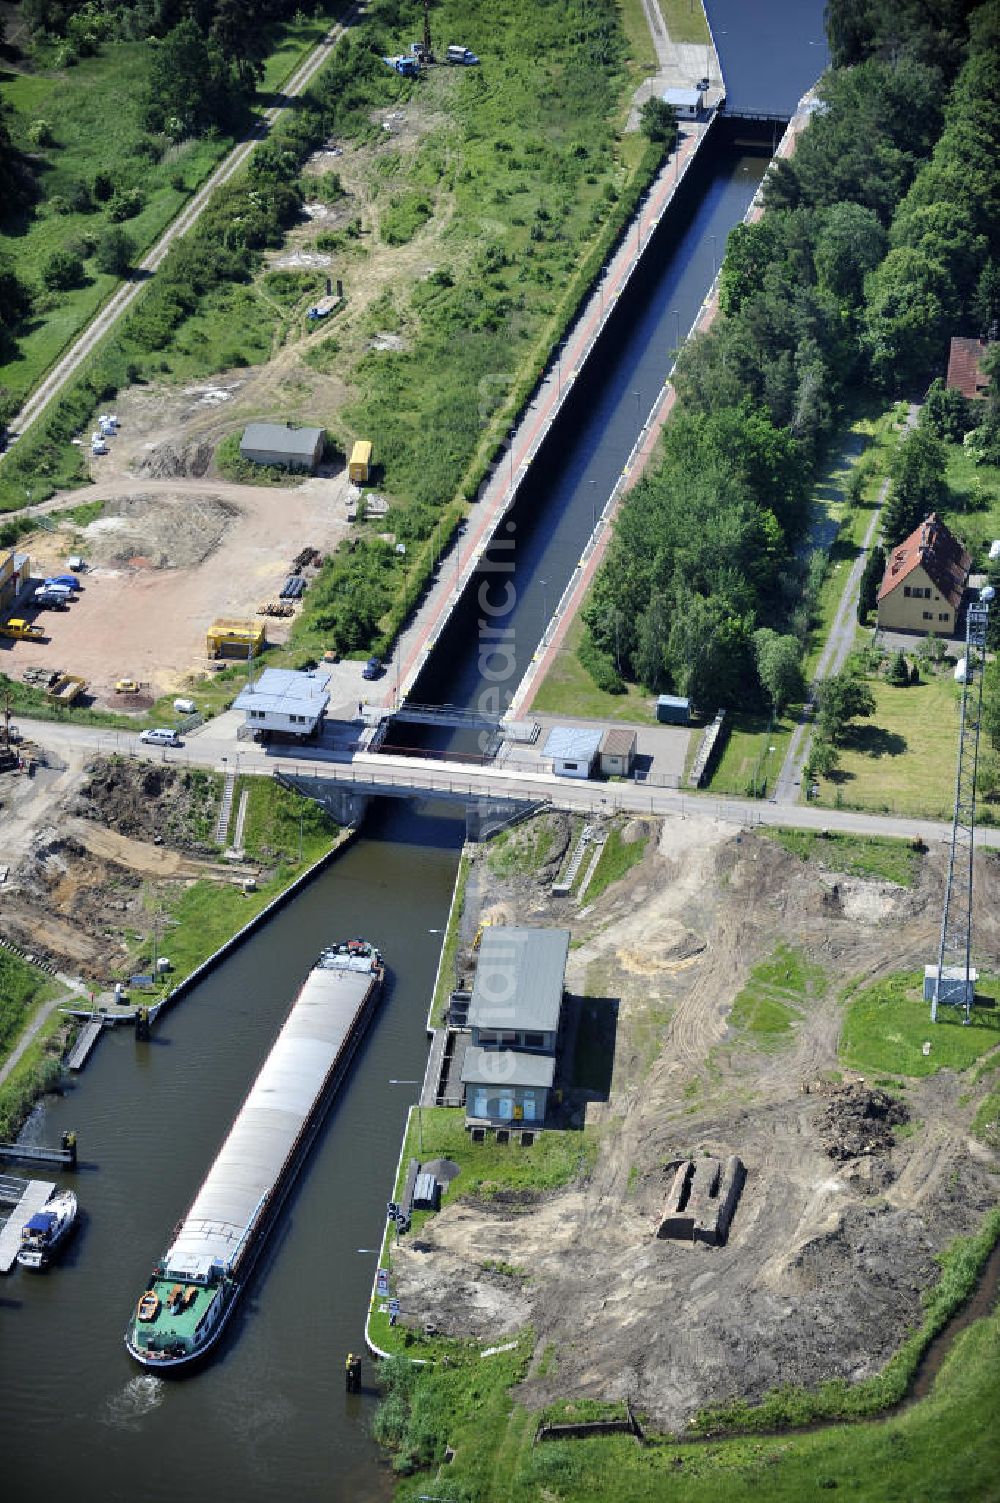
(165, 559)
(845, 1204)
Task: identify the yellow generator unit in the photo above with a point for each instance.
(238, 639)
(361, 460)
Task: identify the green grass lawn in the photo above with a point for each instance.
(568, 689)
(617, 857)
(22, 990)
(748, 766)
(776, 991)
(525, 848)
(887, 1025)
(857, 855)
(941, 1450)
(74, 101)
(197, 919)
(902, 759)
(486, 1170)
(971, 505)
(282, 825)
(685, 20)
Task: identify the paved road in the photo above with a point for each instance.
(833, 657)
(127, 293)
(214, 745)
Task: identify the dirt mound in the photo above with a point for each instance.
(859, 1122)
(151, 802)
(167, 461)
(162, 531)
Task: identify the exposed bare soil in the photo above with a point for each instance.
(92, 852)
(166, 558)
(841, 1217)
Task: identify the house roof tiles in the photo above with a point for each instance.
(941, 556)
(965, 367)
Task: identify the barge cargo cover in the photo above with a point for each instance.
(194, 1287)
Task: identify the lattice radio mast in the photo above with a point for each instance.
(954, 983)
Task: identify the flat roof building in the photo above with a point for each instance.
(687, 103)
(514, 1016)
(284, 700)
(281, 444)
(573, 750)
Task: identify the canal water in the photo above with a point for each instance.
(269, 1414)
(78, 1417)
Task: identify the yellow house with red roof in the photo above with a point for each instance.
(924, 581)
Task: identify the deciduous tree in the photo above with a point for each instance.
(843, 698)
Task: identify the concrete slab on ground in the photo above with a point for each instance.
(660, 749)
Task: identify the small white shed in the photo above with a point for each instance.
(618, 751)
(687, 103)
(573, 750)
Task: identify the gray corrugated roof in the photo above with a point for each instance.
(519, 979)
(297, 443)
(572, 743)
(286, 691)
(507, 1067)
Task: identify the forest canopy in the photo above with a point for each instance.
(880, 240)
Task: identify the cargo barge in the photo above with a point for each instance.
(194, 1288)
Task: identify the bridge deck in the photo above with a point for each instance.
(36, 1193)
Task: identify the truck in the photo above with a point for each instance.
(462, 55)
(22, 630)
(407, 67)
(66, 689)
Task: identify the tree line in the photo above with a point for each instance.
(879, 240)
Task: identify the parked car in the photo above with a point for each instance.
(372, 669)
(62, 581)
(56, 600)
(161, 736)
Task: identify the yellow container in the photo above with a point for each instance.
(361, 458)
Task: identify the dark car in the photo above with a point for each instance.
(372, 669)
